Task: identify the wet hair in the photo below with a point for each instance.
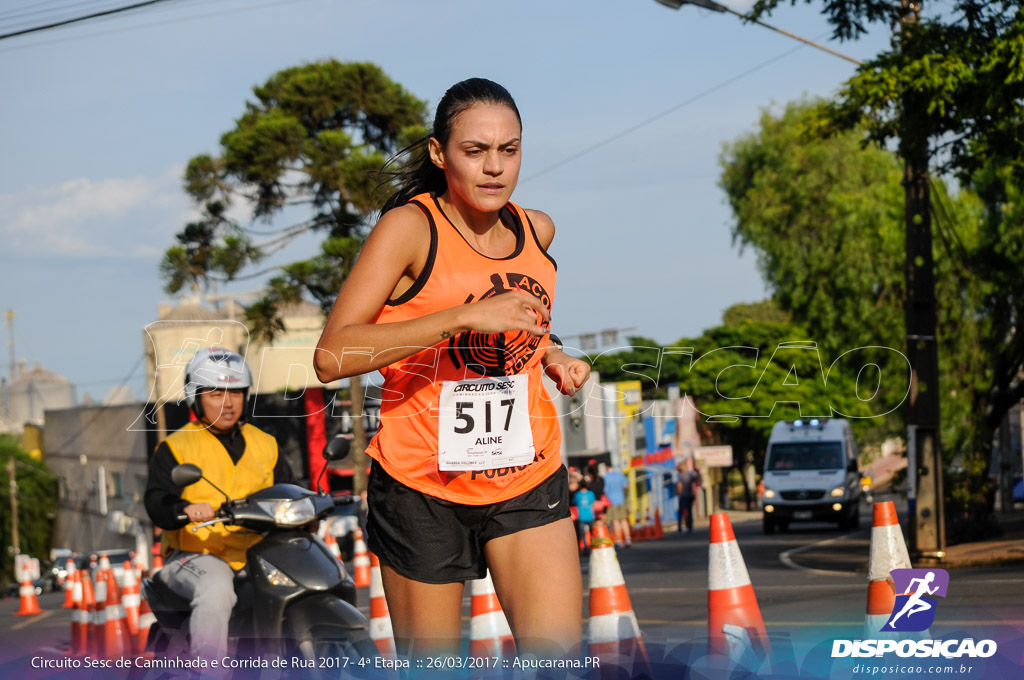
(420, 175)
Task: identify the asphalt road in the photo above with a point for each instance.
(811, 585)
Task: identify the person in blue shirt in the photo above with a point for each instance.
(615, 484)
(584, 500)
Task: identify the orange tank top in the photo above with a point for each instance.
(449, 412)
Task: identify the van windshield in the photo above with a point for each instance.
(806, 456)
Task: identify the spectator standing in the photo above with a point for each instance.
(615, 483)
(584, 500)
(686, 488)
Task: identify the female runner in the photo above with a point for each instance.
(450, 299)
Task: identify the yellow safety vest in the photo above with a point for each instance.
(194, 444)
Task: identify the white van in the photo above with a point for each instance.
(811, 474)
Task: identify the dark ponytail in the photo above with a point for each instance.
(419, 174)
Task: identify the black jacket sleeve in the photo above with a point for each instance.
(282, 471)
(163, 498)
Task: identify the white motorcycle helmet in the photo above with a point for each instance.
(215, 368)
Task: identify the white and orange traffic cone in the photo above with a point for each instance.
(332, 544)
(104, 565)
(97, 616)
(79, 618)
(380, 619)
(158, 564)
(69, 585)
(613, 631)
(735, 626)
(489, 632)
(29, 605)
(117, 641)
(146, 619)
(888, 552)
(361, 562)
(130, 600)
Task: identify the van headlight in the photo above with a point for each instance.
(768, 493)
(838, 492)
(290, 513)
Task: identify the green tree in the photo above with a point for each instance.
(765, 310)
(37, 506)
(951, 90)
(825, 216)
(960, 60)
(306, 150)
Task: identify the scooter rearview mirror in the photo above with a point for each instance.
(338, 448)
(186, 474)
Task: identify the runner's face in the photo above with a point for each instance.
(482, 158)
(222, 408)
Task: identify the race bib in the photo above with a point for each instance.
(484, 424)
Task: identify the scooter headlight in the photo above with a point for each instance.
(838, 492)
(290, 513)
(275, 576)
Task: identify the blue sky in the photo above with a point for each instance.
(99, 119)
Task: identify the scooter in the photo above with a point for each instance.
(295, 599)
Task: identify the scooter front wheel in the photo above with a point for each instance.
(329, 638)
(337, 655)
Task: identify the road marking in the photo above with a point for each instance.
(35, 619)
(787, 557)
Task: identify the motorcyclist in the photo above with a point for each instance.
(234, 456)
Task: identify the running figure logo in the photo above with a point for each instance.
(914, 611)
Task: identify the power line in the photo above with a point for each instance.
(161, 23)
(38, 9)
(66, 22)
(619, 135)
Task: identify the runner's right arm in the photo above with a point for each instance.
(394, 254)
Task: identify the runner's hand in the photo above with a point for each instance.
(568, 372)
(511, 311)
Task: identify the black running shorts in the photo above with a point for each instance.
(431, 540)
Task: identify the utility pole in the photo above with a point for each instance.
(928, 536)
(15, 545)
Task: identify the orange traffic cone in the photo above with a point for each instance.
(380, 619)
(146, 619)
(69, 585)
(97, 616)
(116, 637)
(658, 530)
(130, 600)
(104, 565)
(158, 564)
(489, 632)
(613, 630)
(888, 552)
(29, 605)
(361, 563)
(79, 619)
(332, 544)
(735, 626)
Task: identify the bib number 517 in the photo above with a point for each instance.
(467, 425)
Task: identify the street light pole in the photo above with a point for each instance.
(715, 7)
